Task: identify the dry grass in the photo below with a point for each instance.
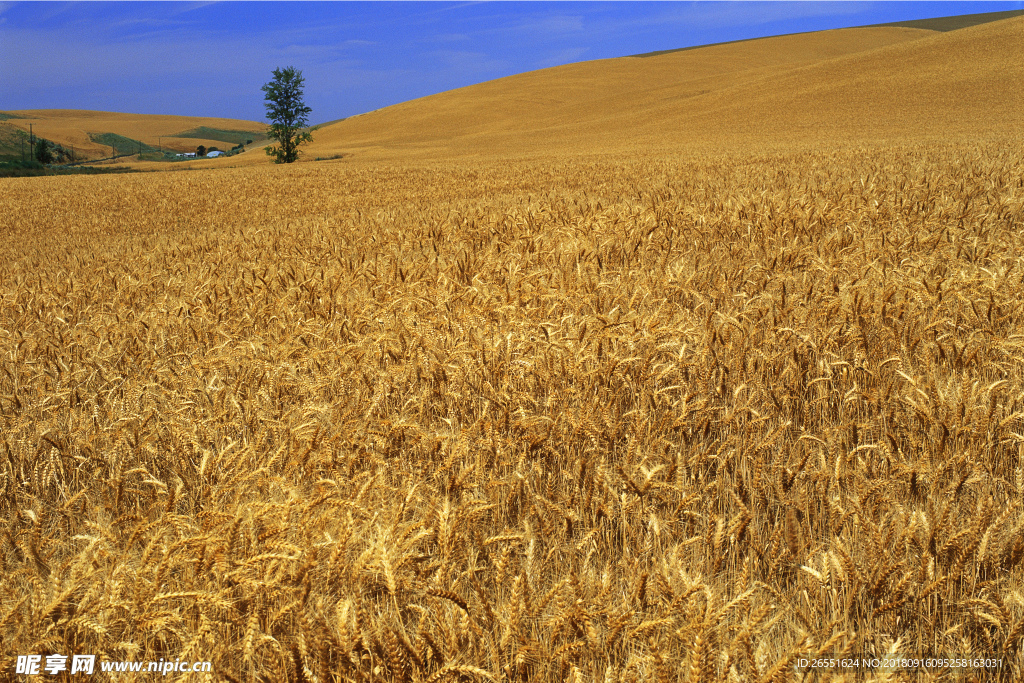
(674, 420)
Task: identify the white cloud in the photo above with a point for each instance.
(192, 6)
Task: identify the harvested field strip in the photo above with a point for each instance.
(611, 421)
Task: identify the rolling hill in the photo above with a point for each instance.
(862, 84)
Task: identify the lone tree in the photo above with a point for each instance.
(287, 113)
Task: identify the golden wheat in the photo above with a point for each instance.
(533, 423)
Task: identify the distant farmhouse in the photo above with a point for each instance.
(192, 155)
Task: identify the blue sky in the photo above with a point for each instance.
(210, 59)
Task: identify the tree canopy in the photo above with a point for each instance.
(287, 113)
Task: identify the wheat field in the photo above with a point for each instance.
(674, 418)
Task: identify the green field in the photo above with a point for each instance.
(122, 144)
(11, 140)
(235, 137)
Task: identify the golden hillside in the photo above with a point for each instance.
(74, 126)
(855, 84)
